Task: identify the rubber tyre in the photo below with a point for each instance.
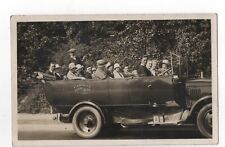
(76, 121)
(201, 124)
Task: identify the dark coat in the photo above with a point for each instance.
(143, 71)
(110, 74)
(53, 75)
(100, 74)
(88, 75)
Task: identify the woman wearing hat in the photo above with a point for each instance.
(74, 72)
(117, 74)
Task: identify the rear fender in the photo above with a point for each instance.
(86, 103)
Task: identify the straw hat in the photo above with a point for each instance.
(72, 66)
(165, 61)
(57, 66)
(72, 50)
(78, 66)
(116, 65)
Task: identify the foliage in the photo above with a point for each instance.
(118, 41)
(124, 42)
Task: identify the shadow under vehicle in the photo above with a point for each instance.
(91, 104)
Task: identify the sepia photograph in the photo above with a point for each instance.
(114, 79)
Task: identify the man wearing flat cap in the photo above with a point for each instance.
(101, 70)
(117, 74)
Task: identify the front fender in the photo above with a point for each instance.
(198, 105)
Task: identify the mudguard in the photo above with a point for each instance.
(198, 105)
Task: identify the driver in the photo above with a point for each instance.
(164, 70)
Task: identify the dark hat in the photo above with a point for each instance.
(101, 62)
(72, 50)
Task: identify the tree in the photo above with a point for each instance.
(119, 41)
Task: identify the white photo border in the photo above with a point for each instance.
(113, 17)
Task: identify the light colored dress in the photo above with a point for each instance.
(117, 75)
(72, 76)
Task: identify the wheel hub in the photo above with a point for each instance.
(208, 119)
(87, 122)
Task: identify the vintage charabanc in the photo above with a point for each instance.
(153, 101)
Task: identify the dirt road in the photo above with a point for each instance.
(43, 127)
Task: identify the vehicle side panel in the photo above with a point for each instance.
(68, 93)
(161, 89)
(119, 92)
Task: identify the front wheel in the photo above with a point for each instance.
(87, 122)
(204, 121)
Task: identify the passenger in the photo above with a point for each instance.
(126, 72)
(164, 70)
(101, 70)
(50, 73)
(93, 72)
(51, 70)
(88, 73)
(151, 66)
(64, 70)
(142, 70)
(57, 72)
(135, 73)
(73, 58)
(79, 71)
(74, 74)
(117, 74)
(109, 69)
(153, 69)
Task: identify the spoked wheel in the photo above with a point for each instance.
(87, 122)
(204, 121)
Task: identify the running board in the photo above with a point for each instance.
(171, 119)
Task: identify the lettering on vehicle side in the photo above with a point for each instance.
(82, 89)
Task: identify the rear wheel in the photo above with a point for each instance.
(87, 122)
(204, 121)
